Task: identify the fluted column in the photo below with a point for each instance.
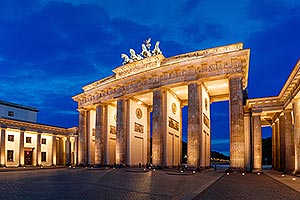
(21, 148)
(68, 151)
(257, 143)
(194, 124)
(277, 130)
(158, 127)
(296, 111)
(274, 139)
(247, 128)
(121, 143)
(3, 147)
(38, 150)
(237, 144)
(100, 134)
(282, 142)
(148, 136)
(289, 142)
(54, 150)
(82, 138)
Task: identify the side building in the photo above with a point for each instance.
(24, 142)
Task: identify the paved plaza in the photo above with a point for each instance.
(81, 183)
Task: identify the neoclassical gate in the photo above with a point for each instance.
(114, 120)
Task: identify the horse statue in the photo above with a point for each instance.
(145, 52)
(134, 56)
(126, 59)
(156, 49)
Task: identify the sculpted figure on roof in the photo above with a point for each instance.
(146, 52)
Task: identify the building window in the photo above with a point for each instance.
(11, 138)
(11, 113)
(43, 140)
(28, 139)
(43, 156)
(10, 155)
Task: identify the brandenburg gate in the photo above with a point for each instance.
(114, 120)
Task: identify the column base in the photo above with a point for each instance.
(257, 170)
(296, 172)
(237, 169)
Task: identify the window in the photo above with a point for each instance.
(11, 138)
(28, 139)
(11, 113)
(43, 140)
(10, 155)
(43, 156)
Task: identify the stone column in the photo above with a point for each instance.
(282, 142)
(158, 127)
(247, 125)
(277, 145)
(274, 141)
(194, 124)
(21, 149)
(38, 150)
(148, 136)
(296, 110)
(237, 143)
(257, 143)
(54, 150)
(121, 143)
(100, 134)
(68, 151)
(82, 137)
(3, 147)
(289, 142)
(76, 151)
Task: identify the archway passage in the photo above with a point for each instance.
(163, 86)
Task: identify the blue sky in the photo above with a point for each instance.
(49, 49)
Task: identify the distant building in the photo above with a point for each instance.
(16, 111)
(24, 142)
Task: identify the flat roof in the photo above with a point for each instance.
(18, 106)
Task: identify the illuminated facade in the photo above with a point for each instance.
(27, 143)
(114, 113)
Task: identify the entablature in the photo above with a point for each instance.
(224, 62)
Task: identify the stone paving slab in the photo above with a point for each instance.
(290, 180)
(248, 187)
(81, 183)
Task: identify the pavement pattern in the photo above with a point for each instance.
(250, 186)
(81, 183)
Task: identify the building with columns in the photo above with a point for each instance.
(23, 142)
(114, 119)
(282, 113)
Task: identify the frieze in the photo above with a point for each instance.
(164, 77)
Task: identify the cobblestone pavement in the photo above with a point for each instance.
(101, 184)
(81, 183)
(250, 186)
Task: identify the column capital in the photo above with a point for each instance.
(239, 75)
(256, 112)
(287, 110)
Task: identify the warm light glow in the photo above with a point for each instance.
(243, 174)
(227, 174)
(139, 102)
(282, 175)
(258, 173)
(293, 178)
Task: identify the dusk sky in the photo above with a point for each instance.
(50, 49)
